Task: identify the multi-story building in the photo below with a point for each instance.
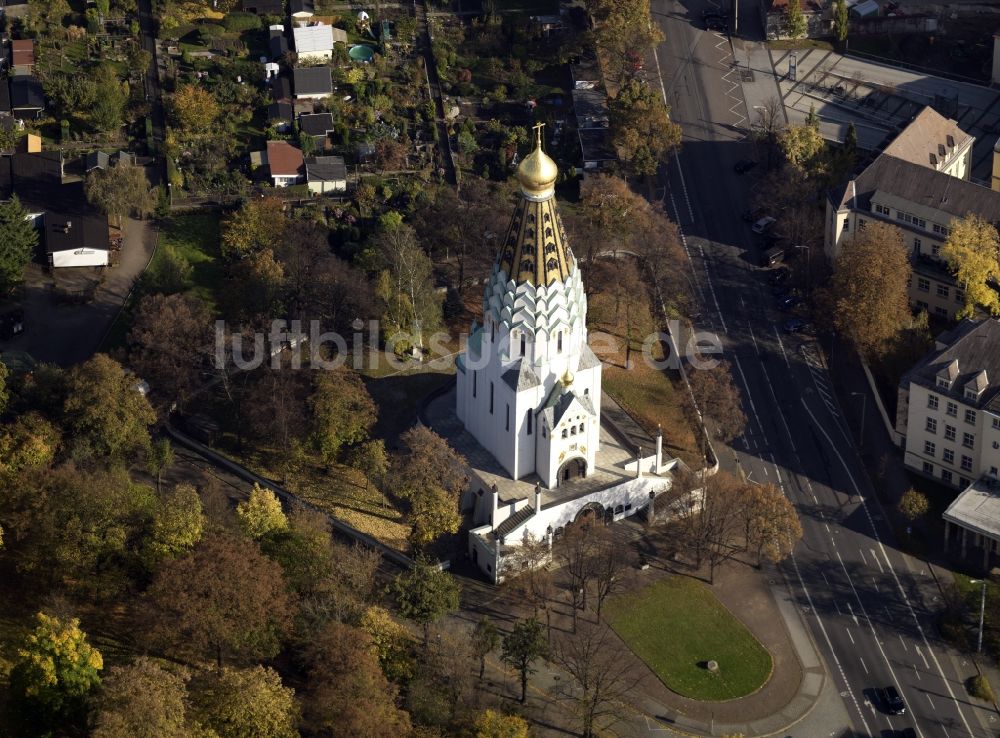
(919, 184)
(948, 412)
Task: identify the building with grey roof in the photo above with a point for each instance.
(948, 413)
(972, 524)
(326, 174)
(922, 200)
(312, 82)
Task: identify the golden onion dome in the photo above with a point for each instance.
(537, 172)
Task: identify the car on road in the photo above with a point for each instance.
(795, 325)
(717, 24)
(770, 257)
(788, 302)
(890, 700)
(763, 224)
(744, 165)
(907, 733)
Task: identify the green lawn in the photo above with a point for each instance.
(676, 625)
(195, 236)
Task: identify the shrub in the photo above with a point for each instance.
(239, 22)
(979, 687)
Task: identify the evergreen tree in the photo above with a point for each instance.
(795, 21)
(840, 20)
(18, 239)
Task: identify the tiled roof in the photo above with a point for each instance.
(284, 160)
(929, 140)
(22, 52)
(970, 348)
(521, 376)
(312, 81)
(313, 38)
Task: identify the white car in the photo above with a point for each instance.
(763, 224)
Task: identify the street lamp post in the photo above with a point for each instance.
(864, 406)
(982, 613)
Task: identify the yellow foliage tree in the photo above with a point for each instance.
(391, 642)
(56, 666)
(194, 109)
(494, 724)
(261, 513)
(973, 253)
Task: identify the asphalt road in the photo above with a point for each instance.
(869, 607)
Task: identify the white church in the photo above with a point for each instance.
(527, 410)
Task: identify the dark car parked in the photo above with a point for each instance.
(788, 302)
(744, 165)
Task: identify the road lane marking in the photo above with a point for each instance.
(915, 671)
(899, 585)
(900, 635)
(853, 616)
(929, 700)
(863, 556)
(829, 644)
(926, 665)
(862, 662)
(888, 615)
(782, 347)
(849, 635)
(875, 556)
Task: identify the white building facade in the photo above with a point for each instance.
(528, 385)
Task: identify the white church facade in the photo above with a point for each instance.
(527, 403)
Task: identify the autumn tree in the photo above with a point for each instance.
(431, 477)
(159, 456)
(525, 570)
(406, 284)
(641, 129)
(713, 528)
(120, 191)
(170, 338)
(223, 600)
(869, 288)
(142, 700)
(494, 724)
(803, 147)
(795, 20)
(600, 679)
(256, 226)
(485, 640)
(972, 251)
(178, 523)
(624, 32)
(193, 109)
(277, 404)
(522, 647)
(390, 642)
(78, 526)
(18, 241)
(772, 524)
(371, 459)
(105, 414)
(425, 594)
(107, 111)
(348, 693)
(718, 398)
(261, 513)
(343, 413)
(440, 692)
(913, 504)
(245, 703)
(54, 670)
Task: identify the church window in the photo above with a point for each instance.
(506, 419)
(531, 217)
(544, 435)
(475, 375)
(550, 248)
(559, 342)
(552, 264)
(572, 430)
(526, 265)
(491, 398)
(529, 232)
(548, 233)
(565, 433)
(581, 427)
(528, 420)
(586, 390)
(522, 344)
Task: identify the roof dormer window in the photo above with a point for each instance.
(947, 376)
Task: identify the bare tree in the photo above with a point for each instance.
(610, 562)
(576, 552)
(601, 678)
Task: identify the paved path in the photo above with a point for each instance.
(64, 333)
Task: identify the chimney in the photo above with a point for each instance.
(659, 448)
(638, 463)
(538, 499)
(494, 503)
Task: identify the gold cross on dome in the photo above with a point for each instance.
(538, 133)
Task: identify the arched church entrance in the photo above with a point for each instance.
(573, 469)
(589, 514)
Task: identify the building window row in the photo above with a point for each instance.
(923, 284)
(970, 417)
(932, 402)
(931, 425)
(968, 440)
(949, 432)
(948, 456)
(952, 409)
(939, 229)
(910, 218)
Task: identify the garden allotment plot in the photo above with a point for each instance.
(676, 626)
